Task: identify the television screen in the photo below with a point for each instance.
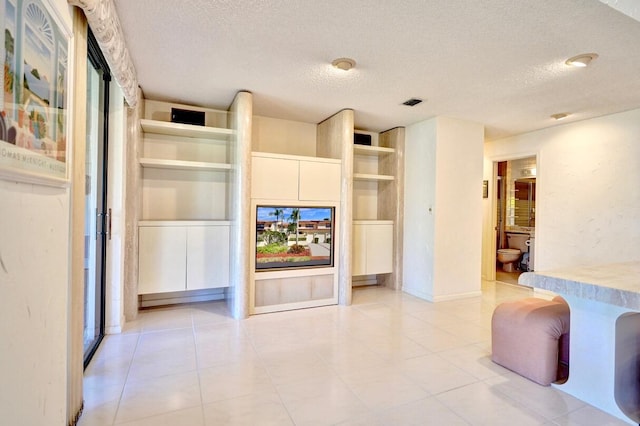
(294, 237)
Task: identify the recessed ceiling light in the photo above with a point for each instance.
(560, 116)
(581, 61)
(412, 102)
(344, 64)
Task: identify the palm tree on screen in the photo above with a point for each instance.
(277, 213)
(295, 218)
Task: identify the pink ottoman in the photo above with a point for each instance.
(531, 337)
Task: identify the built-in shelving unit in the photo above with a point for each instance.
(288, 182)
(375, 208)
(184, 226)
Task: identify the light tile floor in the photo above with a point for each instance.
(507, 277)
(389, 359)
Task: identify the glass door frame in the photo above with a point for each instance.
(96, 60)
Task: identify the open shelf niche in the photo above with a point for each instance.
(190, 179)
(378, 182)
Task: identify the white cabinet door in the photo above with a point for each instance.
(319, 181)
(379, 249)
(372, 249)
(274, 178)
(207, 257)
(162, 259)
(359, 252)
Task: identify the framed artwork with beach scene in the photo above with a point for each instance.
(34, 101)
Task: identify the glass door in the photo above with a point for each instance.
(97, 217)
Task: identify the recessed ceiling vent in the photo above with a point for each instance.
(412, 102)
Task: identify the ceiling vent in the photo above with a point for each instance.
(412, 102)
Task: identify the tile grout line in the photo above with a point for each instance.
(262, 364)
(195, 347)
(126, 379)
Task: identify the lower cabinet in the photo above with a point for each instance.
(372, 247)
(179, 258)
(207, 257)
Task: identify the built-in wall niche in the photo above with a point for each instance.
(378, 176)
(299, 279)
(185, 168)
(160, 111)
(277, 136)
(295, 211)
(184, 195)
(184, 226)
(369, 178)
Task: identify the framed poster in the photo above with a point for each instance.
(34, 102)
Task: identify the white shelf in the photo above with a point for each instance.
(184, 223)
(370, 177)
(372, 150)
(372, 222)
(158, 163)
(184, 130)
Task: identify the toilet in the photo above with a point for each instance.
(509, 257)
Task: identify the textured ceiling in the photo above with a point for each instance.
(496, 62)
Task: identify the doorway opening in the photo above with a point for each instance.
(515, 212)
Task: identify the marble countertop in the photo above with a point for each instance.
(617, 284)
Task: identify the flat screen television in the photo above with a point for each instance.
(294, 237)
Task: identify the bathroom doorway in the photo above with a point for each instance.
(515, 217)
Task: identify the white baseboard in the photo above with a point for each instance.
(161, 299)
(457, 296)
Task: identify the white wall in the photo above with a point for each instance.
(443, 209)
(419, 197)
(34, 283)
(459, 208)
(34, 280)
(34, 288)
(588, 190)
(283, 136)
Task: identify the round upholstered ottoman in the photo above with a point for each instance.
(531, 337)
